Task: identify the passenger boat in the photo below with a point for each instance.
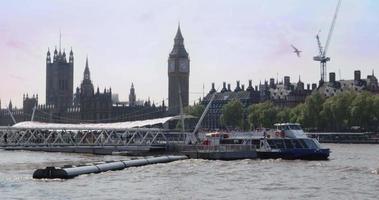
(287, 141)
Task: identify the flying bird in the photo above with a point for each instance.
(295, 50)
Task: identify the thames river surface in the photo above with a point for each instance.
(351, 173)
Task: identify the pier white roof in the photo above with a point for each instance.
(96, 126)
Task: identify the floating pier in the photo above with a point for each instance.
(68, 172)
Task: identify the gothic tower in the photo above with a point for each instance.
(178, 75)
(132, 96)
(59, 80)
(86, 86)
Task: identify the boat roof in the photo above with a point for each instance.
(286, 124)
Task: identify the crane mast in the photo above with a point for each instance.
(322, 57)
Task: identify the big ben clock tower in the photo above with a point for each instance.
(178, 75)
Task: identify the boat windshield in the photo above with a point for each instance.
(289, 127)
(293, 144)
(311, 143)
(295, 127)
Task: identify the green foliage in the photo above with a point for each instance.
(195, 110)
(311, 110)
(263, 115)
(362, 111)
(232, 114)
(337, 113)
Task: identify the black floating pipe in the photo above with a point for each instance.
(71, 172)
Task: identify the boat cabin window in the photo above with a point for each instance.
(280, 144)
(288, 143)
(297, 144)
(295, 127)
(310, 144)
(271, 143)
(289, 127)
(276, 144)
(283, 128)
(255, 142)
(231, 141)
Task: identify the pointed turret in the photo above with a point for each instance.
(71, 59)
(55, 54)
(179, 37)
(132, 96)
(178, 50)
(87, 75)
(87, 86)
(300, 85)
(48, 57)
(10, 106)
(64, 56)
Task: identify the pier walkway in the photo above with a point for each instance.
(90, 138)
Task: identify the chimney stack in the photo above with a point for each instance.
(314, 86)
(272, 83)
(287, 81)
(223, 87)
(250, 87)
(238, 88)
(213, 88)
(332, 77)
(357, 75)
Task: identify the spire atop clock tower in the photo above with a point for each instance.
(178, 75)
(178, 50)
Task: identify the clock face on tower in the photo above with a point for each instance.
(183, 65)
(171, 66)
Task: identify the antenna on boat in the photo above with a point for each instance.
(193, 137)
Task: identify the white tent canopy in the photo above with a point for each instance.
(97, 126)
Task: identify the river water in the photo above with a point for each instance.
(351, 173)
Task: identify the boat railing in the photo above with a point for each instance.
(220, 148)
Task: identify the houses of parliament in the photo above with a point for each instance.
(87, 104)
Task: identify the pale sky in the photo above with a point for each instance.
(227, 40)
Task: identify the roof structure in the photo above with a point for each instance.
(98, 126)
(226, 96)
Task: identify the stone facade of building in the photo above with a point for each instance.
(84, 106)
(283, 94)
(358, 84)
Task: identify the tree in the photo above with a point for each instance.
(312, 109)
(297, 114)
(375, 110)
(232, 114)
(262, 115)
(283, 115)
(362, 110)
(195, 110)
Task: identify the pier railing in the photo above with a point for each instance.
(11, 136)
